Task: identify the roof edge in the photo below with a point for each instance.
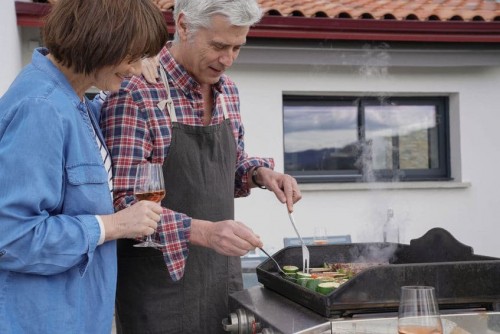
(280, 27)
(376, 30)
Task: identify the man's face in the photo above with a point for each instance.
(208, 52)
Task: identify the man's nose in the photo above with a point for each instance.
(228, 58)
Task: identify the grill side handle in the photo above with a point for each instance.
(437, 245)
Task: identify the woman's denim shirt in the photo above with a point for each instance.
(54, 278)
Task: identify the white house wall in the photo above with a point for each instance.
(468, 207)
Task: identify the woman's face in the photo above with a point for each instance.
(110, 77)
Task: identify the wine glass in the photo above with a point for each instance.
(320, 236)
(418, 311)
(149, 185)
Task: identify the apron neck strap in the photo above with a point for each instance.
(223, 104)
(168, 101)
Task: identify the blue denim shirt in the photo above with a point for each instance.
(53, 276)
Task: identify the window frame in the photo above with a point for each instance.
(442, 173)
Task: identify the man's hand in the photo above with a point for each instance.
(227, 237)
(282, 185)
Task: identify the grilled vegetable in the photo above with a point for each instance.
(327, 287)
(302, 275)
(303, 281)
(312, 284)
(290, 269)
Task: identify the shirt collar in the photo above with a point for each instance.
(42, 62)
(182, 78)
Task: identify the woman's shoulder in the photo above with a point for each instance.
(33, 91)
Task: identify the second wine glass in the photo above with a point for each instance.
(418, 311)
(149, 185)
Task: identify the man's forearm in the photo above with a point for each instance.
(199, 232)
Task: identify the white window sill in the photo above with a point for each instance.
(383, 186)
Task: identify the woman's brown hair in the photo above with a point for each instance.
(87, 35)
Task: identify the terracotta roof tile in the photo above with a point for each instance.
(466, 10)
(423, 10)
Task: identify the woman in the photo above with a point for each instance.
(57, 227)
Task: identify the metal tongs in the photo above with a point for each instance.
(305, 250)
(275, 262)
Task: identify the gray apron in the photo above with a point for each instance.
(199, 178)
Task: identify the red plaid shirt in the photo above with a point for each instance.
(136, 130)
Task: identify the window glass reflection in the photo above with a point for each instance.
(405, 132)
(320, 137)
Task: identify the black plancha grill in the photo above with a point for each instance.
(462, 279)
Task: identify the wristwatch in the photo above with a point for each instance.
(254, 178)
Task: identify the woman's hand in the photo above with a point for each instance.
(150, 69)
(136, 221)
(163, 5)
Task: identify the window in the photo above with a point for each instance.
(366, 139)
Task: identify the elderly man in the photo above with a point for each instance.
(190, 122)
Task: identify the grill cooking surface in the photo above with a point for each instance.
(461, 278)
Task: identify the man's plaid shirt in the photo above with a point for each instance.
(136, 130)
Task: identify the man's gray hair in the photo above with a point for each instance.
(199, 13)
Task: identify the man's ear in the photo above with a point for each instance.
(182, 27)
